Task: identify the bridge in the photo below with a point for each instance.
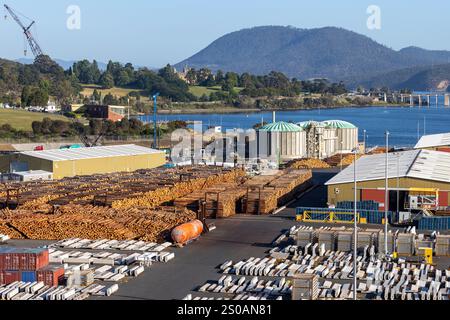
(425, 99)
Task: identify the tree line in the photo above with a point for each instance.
(125, 127)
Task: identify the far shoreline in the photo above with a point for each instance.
(254, 110)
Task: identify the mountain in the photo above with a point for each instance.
(416, 78)
(333, 53)
(433, 56)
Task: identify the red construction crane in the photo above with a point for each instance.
(35, 48)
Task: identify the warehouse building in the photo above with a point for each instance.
(84, 161)
(438, 142)
(419, 179)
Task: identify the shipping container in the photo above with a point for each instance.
(434, 223)
(28, 276)
(51, 275)
(23, 259)
(8, 277)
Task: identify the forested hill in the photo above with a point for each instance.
(436, 77)
(329, 52)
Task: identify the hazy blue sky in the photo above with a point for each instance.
(153, 33)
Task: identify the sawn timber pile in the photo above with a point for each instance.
(75, 221)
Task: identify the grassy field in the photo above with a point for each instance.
(88, 90)
(22, 119)
(198, 91)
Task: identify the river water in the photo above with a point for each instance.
(405, 124)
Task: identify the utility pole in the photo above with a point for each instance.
(355, 231)
(386, 196)
(155, 124)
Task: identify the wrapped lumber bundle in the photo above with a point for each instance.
(309, 164)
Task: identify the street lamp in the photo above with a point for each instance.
(398, 184)
(342, 148)
(386, 196)
(355, 231)
(365, 148)
(155, 106)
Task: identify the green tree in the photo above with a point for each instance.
(107, 80)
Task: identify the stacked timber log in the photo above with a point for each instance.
(143, 188)
(309, 164)
(264, 199)
(93, 223)
(193, 200)
(224, 204)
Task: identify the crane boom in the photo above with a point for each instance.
(35, 48)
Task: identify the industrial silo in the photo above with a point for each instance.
(282, 140)
(347, 135)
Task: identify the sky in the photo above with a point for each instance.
(153, 33)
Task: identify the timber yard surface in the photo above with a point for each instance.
(236, 238)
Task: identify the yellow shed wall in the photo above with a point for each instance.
(346, 192)
(82, 167)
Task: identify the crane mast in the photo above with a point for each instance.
(35, 48)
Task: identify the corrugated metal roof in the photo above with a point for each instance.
(281, 126)
(306, 124)
(90, 153)
(373, 167)
(420, 164)
(328, 124)
(431, 165)
(340, 124)
(434, 140)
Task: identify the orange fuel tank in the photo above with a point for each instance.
(187, 232)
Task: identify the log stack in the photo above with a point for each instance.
(308, 164)
(143, 188)
(93, 223)
(267, 198)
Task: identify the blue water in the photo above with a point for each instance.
(404, 124)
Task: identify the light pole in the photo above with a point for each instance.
(355, 231)
(386, 196)
(155, 107)
(365, 148)
(398, 183)
(342, 147)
